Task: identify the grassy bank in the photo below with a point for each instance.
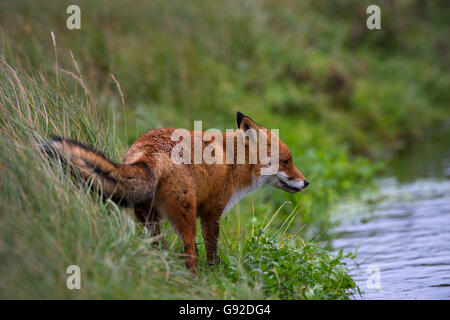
(49, 222)
(343, 98)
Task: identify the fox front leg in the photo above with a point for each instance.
(179, 205)
(210, 230)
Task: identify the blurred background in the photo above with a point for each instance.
(351, 103)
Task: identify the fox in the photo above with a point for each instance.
(158, 188)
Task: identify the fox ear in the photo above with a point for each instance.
(244, 123)
(239, 117)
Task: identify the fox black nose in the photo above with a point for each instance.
(305, 183)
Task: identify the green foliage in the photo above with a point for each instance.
(277, 264)
(289, 269)
(48, 222)
(343, 98)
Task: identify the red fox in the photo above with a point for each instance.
(157, 187)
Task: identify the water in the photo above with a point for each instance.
(403, 230)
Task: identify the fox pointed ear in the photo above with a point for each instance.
(244, 123)
(239, 117)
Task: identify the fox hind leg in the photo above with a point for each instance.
(147, 214)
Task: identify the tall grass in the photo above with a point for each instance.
(48, 221)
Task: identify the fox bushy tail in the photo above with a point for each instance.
(124, 183)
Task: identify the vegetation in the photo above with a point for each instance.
(344, 98)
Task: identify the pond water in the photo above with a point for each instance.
(402, 231)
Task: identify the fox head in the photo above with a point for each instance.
(286, 176)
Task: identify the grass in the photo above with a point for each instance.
(49, 222)
(344, 99)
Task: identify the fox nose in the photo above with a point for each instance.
(305, 183)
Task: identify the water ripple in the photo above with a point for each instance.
(404, 230)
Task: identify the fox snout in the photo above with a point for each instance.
(291, 184)
(290, 179)
(294, 186)
(305, 184)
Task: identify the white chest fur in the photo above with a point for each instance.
(258, 182)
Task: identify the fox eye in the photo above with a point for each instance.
(286, 161)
